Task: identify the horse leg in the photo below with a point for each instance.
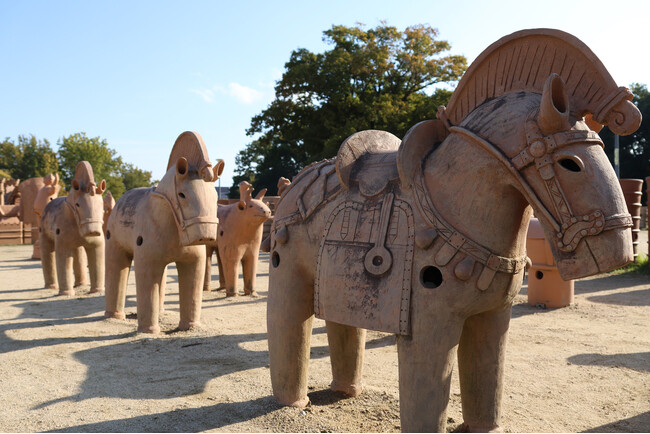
(64, 273)
(96, 267)
(249, 270)
(230, 276)
(161, 296)
(480, 366)
(47, 261)
(79, 265)
(118, 265)
(290, 313)
(426, 360)
(208, 268)
(148, 276)
(222, 276)
(347, 345)
(190, 286)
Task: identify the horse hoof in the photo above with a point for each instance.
(152, 329)
(97, 291)
(478, 427)
(187, 325)
(351, 390)
(252, 294)
(114, 315)
(231, 294)
(68, 293)
(300, 403)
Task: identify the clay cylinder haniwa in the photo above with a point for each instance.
(545, 286)
(632, 190)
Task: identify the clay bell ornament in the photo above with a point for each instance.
(188, 156)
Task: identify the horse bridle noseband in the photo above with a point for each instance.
(570, 229)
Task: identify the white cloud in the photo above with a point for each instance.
(244, 94)
(206, 94)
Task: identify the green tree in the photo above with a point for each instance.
(106, 164)
(378, 78)
(132, 177)
(634, 150)
(29, 158)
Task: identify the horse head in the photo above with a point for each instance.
(188, 188)
(531, 106)
(558, 164)
(85, 200)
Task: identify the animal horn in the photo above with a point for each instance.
(261, 194)
(554, 108)
(245, 191)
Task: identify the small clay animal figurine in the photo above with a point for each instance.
(69, 226)
(153, 227)
(240, 235)
(425, 237)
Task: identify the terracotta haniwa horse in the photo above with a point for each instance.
(426, 238)
(153, 227)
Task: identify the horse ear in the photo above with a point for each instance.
(182, 167)
(261, 194)
(418, 142)
(217, 170)
(102, 187)
(554, 108)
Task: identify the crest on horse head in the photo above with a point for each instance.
(190, 146)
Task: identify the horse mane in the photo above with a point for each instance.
(84, 174)
(524, 60)
(190, 145)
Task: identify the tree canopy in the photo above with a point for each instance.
(31, 158)
(378, 78)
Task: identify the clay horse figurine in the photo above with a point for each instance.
(156, 226)
(240, 235)
(425, 238)
(69, 226)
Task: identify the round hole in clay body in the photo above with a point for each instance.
(221, 234)
(108, 235)
(377, 261)
(431, 277)
(138, 241)
(275, 259)
(181, 195)
(539, 275)
(58, 231)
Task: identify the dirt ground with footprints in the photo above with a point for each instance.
(63, 368)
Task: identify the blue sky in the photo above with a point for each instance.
(138, 73)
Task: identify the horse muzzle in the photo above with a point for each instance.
(199, 230)
(90, 228)
(609, 250)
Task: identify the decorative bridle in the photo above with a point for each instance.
(570, 229)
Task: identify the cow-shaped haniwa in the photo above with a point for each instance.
(69, 226)
(240, 235)
(153, 227)
(426, 238)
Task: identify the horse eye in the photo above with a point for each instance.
(181, 195)
(77, 205)
(570, 165)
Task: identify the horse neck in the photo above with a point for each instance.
(477, 196)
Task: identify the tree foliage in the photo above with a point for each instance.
(31, 158)
(27, 159)
(106, 164)
(634, 150)
(378, 78)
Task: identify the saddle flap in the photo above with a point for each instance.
(369, 159)
(348, 289)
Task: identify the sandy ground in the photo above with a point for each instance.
(63, 368)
